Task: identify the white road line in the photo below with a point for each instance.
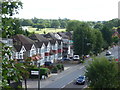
(85, 86)
(67, 84)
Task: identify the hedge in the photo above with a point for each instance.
(43, 71)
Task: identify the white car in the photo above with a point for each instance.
(76, 57)
(108, 53)
(109, 56)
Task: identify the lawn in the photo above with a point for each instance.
(47, 30)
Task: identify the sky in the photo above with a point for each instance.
(83, 10)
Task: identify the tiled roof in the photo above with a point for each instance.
(18, 47)
(23, 40)
(69, 34)
(40, 39)
(63, 35)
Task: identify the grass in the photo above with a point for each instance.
(46, 30)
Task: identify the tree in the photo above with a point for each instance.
(102, 74)
(72, 25)
(10, 69)
(98, 41)
(98, 26)
(84, 39)
(107, 35)
(9, 25)
(115, 39)
(26, 22)
(55, 24)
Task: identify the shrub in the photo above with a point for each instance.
(54, 69)
(60, 66)
(43, 71)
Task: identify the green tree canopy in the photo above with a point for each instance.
(102, 74)
(107, 35)
(98, 41)
(72, 25)
(84, 39)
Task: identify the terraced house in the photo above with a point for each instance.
(25, 48)
(41, 47)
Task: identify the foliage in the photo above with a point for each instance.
(10, 8)
(102, 74)
(11, 70)
(43, 71)
(98, 26)
(54, 69)
(55, 24)
(12, 27)
(115, 39)
(118, 29)
(49, 23)
(98, 41)
(84, 39)
(72, 25)
(107, 35)
(26, 22)
(60, 66)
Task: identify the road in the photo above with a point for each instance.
(66, 78)
(59, 80)
(72, 84)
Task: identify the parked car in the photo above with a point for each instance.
(109, 56)
(48, 63)
(76, 57)
(71, 58)
(66, 59)
(108, 53)
(80, 80)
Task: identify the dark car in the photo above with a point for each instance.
(80, 80)
(66, 59)
(48, 63)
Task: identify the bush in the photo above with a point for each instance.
(60, 66)
(54, 69)
(43, 71)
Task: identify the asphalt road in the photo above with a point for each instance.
(66, 78)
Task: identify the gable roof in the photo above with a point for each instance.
(39, 39)
(23, 40)
(51, 37)
(18, 47)
(63, 35)
(69, 34)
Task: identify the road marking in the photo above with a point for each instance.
(82, 67)
(85, 86)
(67, 83)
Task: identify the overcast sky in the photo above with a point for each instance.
(84, 10)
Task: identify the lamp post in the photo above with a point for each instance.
(39, 76)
